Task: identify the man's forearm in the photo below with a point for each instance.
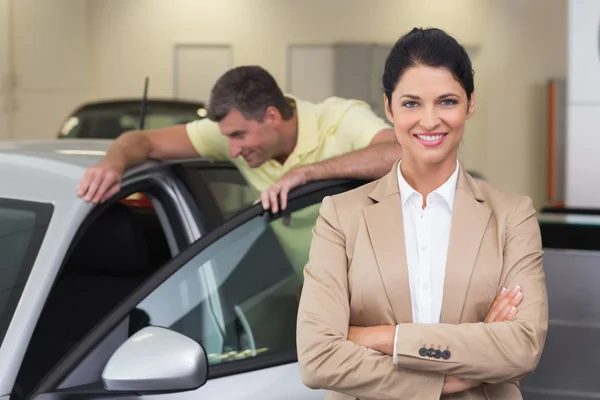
(128, 150)
(372, 162)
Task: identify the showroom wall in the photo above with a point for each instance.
(519, 46)
(43, 65)
(66, 51)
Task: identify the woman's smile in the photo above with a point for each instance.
(431, 139)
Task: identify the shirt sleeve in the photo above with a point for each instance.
(207, 139)
(360, 125)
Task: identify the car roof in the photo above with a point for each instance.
(46, 170)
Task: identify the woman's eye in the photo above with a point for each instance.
(448, 102)
(410, 104)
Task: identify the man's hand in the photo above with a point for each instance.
(276, 196)
(100, 182)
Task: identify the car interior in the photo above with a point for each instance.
(257, 297)
(115, 254)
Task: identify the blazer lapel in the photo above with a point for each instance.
(469, 221)
(386, 231)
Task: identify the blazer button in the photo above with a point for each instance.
(431, 353)
(422, 351)
(438, 354)
(445, 354)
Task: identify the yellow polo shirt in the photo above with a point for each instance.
(331, 128)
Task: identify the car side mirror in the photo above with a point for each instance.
(156, 359)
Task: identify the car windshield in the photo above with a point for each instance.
(109, 120)
(23, 225)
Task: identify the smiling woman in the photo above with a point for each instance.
(405, 292)
(429, 95)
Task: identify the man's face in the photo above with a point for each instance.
(255, 141)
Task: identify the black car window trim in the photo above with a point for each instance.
(298, 199)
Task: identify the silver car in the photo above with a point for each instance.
(176, 288)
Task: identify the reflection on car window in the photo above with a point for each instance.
(231, 191)
(239, 297)
(23, 225)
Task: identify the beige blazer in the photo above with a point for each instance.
(357, 275)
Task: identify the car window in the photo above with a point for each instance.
(230, 189)
(23, 225)
(110, 123)
(220, 187)
(239, 297)
(123, 245)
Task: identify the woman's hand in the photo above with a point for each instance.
(504, 308)
(379, 338)
(453, 384)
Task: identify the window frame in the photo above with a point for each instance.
(298, 198)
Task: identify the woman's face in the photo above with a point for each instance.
(429, 110)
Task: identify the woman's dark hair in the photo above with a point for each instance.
(250, 90)
(428, 47)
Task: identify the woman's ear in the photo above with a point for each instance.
(388, 109)
(471, 107)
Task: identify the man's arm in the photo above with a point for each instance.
(370, 162)
(135, 147)
(130, 149)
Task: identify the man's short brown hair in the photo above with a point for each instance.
(250, 90)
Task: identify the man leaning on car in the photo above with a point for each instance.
(278, 142)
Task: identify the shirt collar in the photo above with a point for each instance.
(446, 191)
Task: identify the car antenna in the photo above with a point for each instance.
(144, 100)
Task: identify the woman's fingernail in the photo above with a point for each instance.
(519, 295)
(503, 291)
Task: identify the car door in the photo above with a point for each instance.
(235, 291)
(118, 245)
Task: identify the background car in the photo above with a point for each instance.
(110, 118)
